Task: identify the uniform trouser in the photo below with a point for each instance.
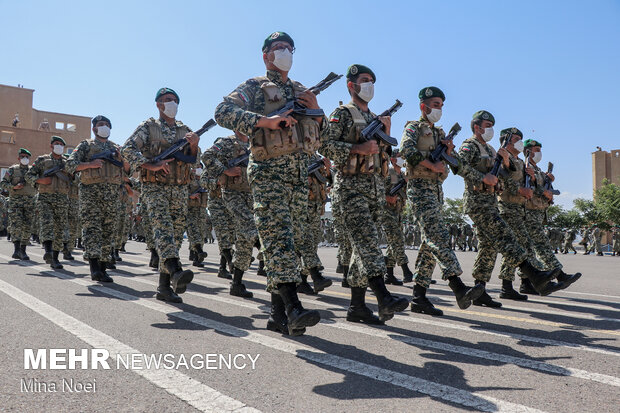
(392, 225)
(308, 249)
(340, 233)
(35, 229)
(494, 236)
(280, 193)
(123, 236)
(53, 218)
(21, 210)
(534, 219)
(166, 206)
(122, 224)
(98, 209)
(222, 224)
(73, 223)
(364, 198)
(239, 205)
(426, 197)
(514, 216)
(196, 219)
(598, 246)
(568, 245)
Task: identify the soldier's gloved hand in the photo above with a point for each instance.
(96, 164)
(490, 180)
(530, 171)
(234, 171)
(527, 193)
(18, 186)
(505, 156)
(367, 148)
(390, 199)
(308, 99)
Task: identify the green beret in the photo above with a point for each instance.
(356, 69)
(166, 90)
(103, 118)
(24, 151)
(277, 37)
(529, 143)
(58, 139)
(431, 92)
(508, 131)
(484, 115)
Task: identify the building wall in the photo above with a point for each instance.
(16, 99)
(605, 165)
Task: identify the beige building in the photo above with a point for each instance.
(35, 127)
(605, 165)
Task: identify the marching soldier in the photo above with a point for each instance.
(569, 238)
(222, 225)
(52, 200)
(597, 234)
(73, 217)
(164, 188)
(196, 218)
(20, 203)
(616, 241)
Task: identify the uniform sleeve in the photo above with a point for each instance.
(408, 145)
(467, 157)
(77, 157)
(132, 149)
(35, 172)
(5, 184)
(333, 145)
(540, 180)
(233, 113)
(214, 159)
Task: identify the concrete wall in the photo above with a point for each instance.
(16, 99)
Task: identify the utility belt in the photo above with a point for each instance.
(58, 186)
(483, 188)
(180, 174)
(201, 201)
(511, 198)
(536, 203)
(27, 190)
(302, 137)
(420, 172)
(366, 164)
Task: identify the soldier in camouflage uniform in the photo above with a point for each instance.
(391, 220)
(99, 182)
(616, 241)
(277, 173)
(569, 238)
(196, 218)
(124, 215)
(359, 192)
(164, 188)
(597, 235)
(4, 219)
(342, 238)
(73, 217)
(476, 161)
(52, 200)
(535, 213)
(425, 193)
(20, 203)
(222, 225)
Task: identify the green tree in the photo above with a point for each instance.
(607, 200)
(453, 211)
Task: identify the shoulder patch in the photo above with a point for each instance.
(335, 118)
(466, 148)
(410, 127)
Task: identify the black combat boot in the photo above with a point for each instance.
(79, 244)
(541, 280)
(421, 304)
(358, 312)
(388, 304)
(464, 295)
(165, 292)
(277, 317)
(223, 271)
(261, 269)
(97, 271)
(319, 282)
(66, 254)
(339, 268)
(298, 317)
(407, 274)
(345, 273)
(236, 286)
(48, 257)
(303, 287)
(56, 265)
(568, 279)
(192, 255)
(154, 262)
(123, 248)
(179, 278)
(16, 254)
(116, 256)
(510, 293)
(485, 299)
(527, 287)
(22, 252)
(390, 279)
(199, 256)
(110, 263)
(229, 259)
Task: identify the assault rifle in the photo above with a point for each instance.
(108, 156)
(200, 190)
(314, 169)
(497, 170)
(58, 172)
(177, 148)
(398, 186)
(548, 185)
(528, 178)
(375, 129)
(239, 161)
(440, 152)
(299, 109)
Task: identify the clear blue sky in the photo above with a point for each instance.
(551, 68)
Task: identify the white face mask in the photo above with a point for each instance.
(434, 116)
(103, 131)
(283, 59)
(488, 134)
(170, 109)
(518, 145)
(198, 171)
(367, 91)
(59, 149)
(537, 157)
(24, 161)
(400, 162)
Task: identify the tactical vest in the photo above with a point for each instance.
(179, 171)
(237, 183)
(363, 164)
(107, 174)
(484, 165)
(58, 186)
(317, 192)
(516, 176)
(17, 178)
(267, 143)
(401, 195)
(426, 144)
(203, 197)
(537, 202)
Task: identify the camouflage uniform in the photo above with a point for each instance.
(196, 215)
(220, 218)
(317, 198)
(425, 194)
(391, 220)
(20, 203)
(569, 238)
(73, 215)
(598, 235)
(52, 200)
(340, 232)
(98, 198)
(123, 217)
(616, 242)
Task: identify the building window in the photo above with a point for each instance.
(71, 127)
(70, 149)
(60, 126)
(7, 137)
